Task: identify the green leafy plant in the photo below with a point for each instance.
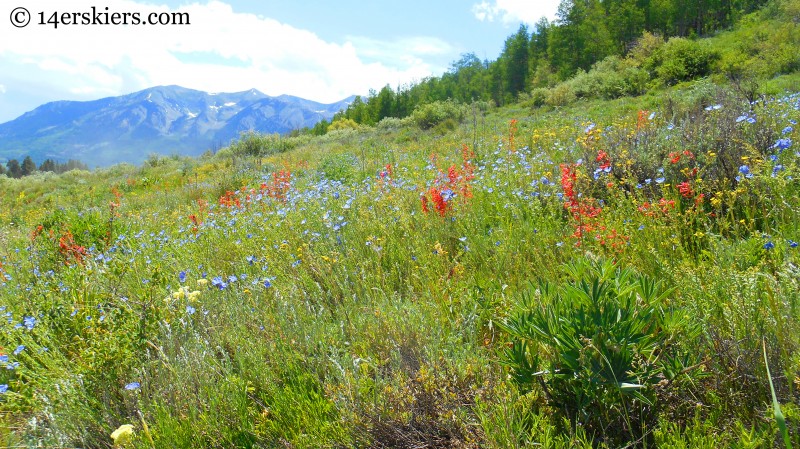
(776, 406)
(601, 347)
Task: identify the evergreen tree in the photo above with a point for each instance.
(47, 165)
(28, 166)
(514, 63)
(14, 170)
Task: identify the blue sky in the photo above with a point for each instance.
(320, 50)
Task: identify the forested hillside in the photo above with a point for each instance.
(642, 44)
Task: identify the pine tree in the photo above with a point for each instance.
(28, 166)
(48, 165)
(14, 170)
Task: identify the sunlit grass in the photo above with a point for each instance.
(309, 301)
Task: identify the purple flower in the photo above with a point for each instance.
(792, 244)
(182, 277)
(133, 386)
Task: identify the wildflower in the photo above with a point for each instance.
(193, 295)
(660, 180)
(219, 283)
(190, 310)
(448, 194)
(783, 144)
(182, 277)
(19, 349)
(133, 386)
(267, 283)
(787, 130)
(122, 435)
(745, 170)
(29, 322)
(792, 244)
(769, 245)
(202, 282)
(685, 189)
(3, 388)
(438, 201)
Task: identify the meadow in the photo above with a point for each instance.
(605, 274)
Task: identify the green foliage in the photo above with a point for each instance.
(308, 300)
(339, 167)
(257, 145)
(602, 345)
(681, 59)
(429, 115)
(561, 95)
(344, 123)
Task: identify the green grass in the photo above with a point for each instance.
(351, 318)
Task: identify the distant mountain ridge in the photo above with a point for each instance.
(164, 120)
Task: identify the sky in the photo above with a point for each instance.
(319, 50)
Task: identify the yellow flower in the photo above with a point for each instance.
(194, 295)
(122, 435)
(202, 282)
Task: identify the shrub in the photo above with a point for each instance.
(428, 115)
(258, 145)
(681, 59)
(561, 95)
(343, 123)
(602, 347)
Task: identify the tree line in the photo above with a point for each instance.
(14, 169)
(584, 32)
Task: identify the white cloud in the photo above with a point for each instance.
(513, 11)
(221, 51)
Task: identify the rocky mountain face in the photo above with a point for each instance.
(164, 120)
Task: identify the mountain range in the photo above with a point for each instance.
(164, 120)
